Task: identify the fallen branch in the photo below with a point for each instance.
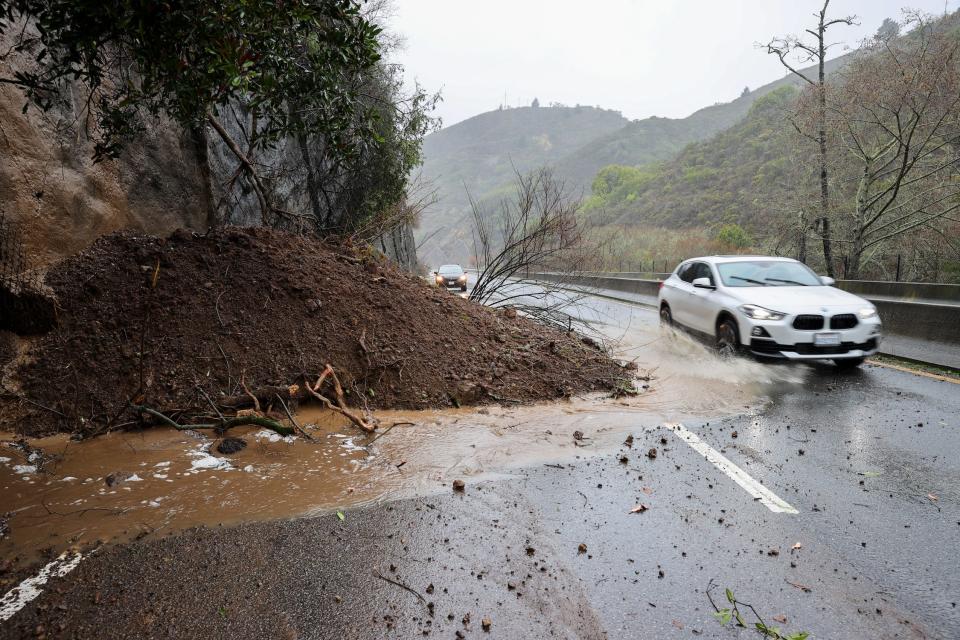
(293, 421)
(341, 406)
(388, 429)
(256, 402)
(377, 574)
(223, 425)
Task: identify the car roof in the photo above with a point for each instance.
(450, 267)
(721, 259)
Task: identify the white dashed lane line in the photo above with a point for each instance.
(18, 597)
(768, 498)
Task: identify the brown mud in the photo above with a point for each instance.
(172, 322)
(164, 481)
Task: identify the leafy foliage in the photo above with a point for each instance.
(185, 58)
(726, 615)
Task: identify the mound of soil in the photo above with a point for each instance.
(261, 308)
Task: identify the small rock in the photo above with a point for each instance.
(629, 441)
(734, 434)
(485, 623)
(582, 549)
(117, 477)
(228, 446)
(578, 435)
(458, 485)
(652, 454)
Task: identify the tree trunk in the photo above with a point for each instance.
(201, 149)
(266, 210)
(822, 138)
(802, 237)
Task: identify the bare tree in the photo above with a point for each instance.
(536, 231)
(803, 52)
(895, 115)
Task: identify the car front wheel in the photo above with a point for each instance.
(728, 339)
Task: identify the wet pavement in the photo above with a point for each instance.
(383, 547)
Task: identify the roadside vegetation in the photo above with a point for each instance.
(880, 203)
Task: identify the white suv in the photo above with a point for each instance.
(769, 307)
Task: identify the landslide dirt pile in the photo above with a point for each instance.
(256, 308)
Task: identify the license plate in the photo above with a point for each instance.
(826, 339)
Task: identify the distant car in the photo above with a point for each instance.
(769, 307)
(451, 275)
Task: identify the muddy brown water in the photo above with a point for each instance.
(170, 480)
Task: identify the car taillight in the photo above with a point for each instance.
(660, 286)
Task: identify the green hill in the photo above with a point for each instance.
(731, 177)
(481, 153)
(480, 156)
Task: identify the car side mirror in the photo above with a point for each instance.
(703, 283)
(436, 273)
(827, 281)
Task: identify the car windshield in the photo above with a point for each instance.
(767, 273)
(450, 270)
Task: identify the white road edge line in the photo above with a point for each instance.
(18, 597)
(738, 475)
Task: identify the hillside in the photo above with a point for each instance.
(709, 182)
(655, 139)
(479, 155)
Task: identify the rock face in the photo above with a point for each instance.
(61, 201)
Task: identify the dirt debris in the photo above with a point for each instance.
(262, 308)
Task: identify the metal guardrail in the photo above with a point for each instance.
(913, 310)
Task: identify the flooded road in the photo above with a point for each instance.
(57, 493)
(826, 500)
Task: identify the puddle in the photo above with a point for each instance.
(163, 480)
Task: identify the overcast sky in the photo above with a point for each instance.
(641, 57)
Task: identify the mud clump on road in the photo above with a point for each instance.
(183, 322)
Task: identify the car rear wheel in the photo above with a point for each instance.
(846, 364)
(666, 318)
(463, 287)
(728, 339)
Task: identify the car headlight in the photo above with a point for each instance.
(867, 312)
(439, 278)
(462, 278)
(759, 313)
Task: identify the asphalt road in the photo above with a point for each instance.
(859, 538)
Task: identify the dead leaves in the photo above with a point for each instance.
(640, 508)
